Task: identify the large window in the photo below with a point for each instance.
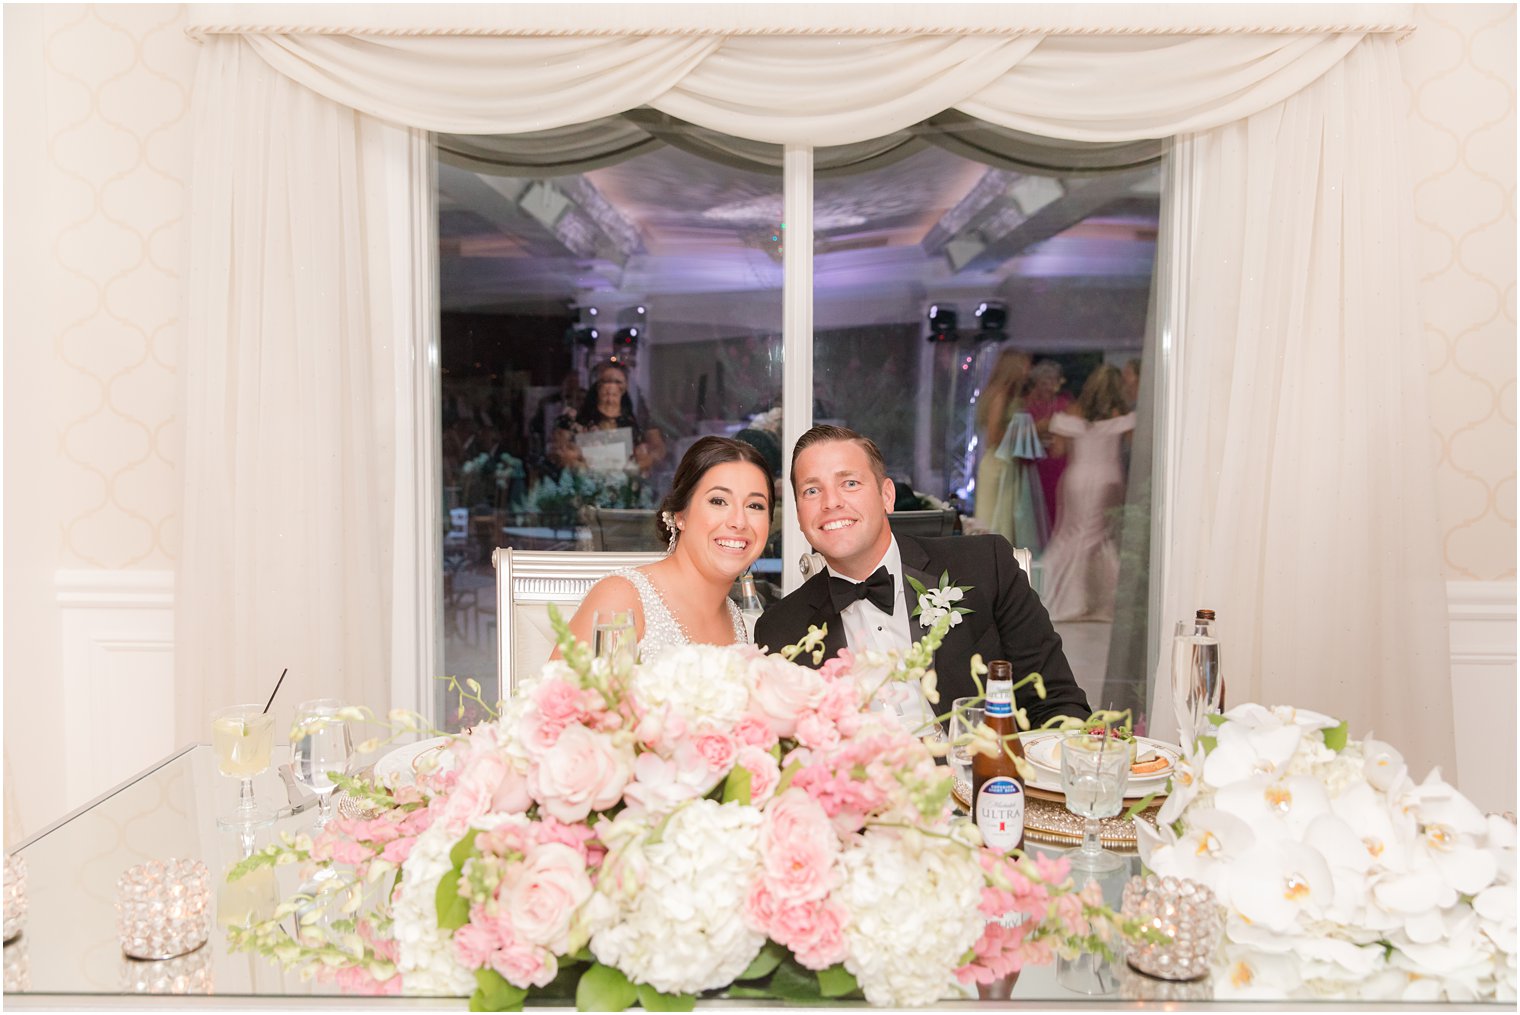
(979, 312)
(594, 324)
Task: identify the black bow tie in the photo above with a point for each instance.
(877, 588)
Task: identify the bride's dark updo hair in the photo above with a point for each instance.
(699, 458)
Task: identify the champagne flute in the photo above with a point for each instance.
(1094, 772)
(1196, 685)
(320, 746)
(243, 738)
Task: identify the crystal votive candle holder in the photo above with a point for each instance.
(1186, 912)
(15, 895)
(18, 967)
(163, 909)
(183, 974)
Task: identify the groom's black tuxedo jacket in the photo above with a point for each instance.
(1007, 621)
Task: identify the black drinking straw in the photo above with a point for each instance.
(276, 690)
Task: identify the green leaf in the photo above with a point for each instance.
(736, 788)
(453, 908)
(787, 776)
(748, 993)
(836, 981)
(918, 586)
(1216, 718)
(464, 849)
(1140, 806)
(494, 993)
(793, 983)
(769, 958)
(1207, 744)
(653, 1000)
(1335, 738)
(603, 988)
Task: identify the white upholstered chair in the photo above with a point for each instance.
(527, 581)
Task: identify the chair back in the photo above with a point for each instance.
(923, 523)
(527, 581)
(623, 529)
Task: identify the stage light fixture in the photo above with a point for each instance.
(992, 315)
(942, 323)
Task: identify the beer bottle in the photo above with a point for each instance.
(997, 790)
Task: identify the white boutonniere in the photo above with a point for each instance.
(938, 602)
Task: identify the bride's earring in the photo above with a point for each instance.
(670, 525)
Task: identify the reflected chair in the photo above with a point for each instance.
(527, 582)
(623, 529)
(924, 523)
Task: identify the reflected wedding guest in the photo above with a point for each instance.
(1082, 561)
(1045, 399)
(607, 406)
(1009, 499)
(1130, 375)
(715, 519)
(843, 496)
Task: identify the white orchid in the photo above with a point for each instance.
(1339, 875)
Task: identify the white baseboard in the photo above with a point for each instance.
(1483, 684)
(116, 631)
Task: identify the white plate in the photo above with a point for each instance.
(1040, 749)
(399, 767)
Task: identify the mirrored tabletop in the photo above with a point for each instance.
(68, 954)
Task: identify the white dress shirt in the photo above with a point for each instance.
(867, 628)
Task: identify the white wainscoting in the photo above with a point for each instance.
(117, 659)
(1483, 688)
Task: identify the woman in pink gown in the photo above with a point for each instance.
(1081, 563)
(1044, 400)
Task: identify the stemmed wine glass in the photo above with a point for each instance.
(319, 746)
(1094, 772)
(243, 738)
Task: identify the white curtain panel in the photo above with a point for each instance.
(1304, 508)
(289, 395)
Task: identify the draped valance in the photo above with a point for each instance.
(811, 90)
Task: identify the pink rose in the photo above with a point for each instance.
(475, 941)
(798, 845)
(582, 772)
(549, 888)
(764, 773)
(782, 691)
(716, 748)
(511, 796)
(839, 666)
(473, 790)
(558, 701)
(817, 731)
(754, 731)
(813, 930)
(525, 965)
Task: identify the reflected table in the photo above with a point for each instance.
(67, 955)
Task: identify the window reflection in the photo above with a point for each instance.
(985, 323)
(595, 324)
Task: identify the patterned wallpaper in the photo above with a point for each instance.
(117, 86)
(1460, 68)
(117, 102)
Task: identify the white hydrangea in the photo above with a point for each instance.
(908, 962)
(678, 924)
(424, 954)
(697, 682)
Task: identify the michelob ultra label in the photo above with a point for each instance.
(1000, 812)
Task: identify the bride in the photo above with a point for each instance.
(716, 518)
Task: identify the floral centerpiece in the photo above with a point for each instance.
(719, 820)
(578, 488)
(1338, 873)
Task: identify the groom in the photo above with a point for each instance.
(843, 496)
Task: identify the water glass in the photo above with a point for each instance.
(1094, 774)
(243, 738)
(964, 717)
(320, 746)
(614, 638)
(1196, 685)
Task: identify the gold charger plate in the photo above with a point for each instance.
(1046, 820)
